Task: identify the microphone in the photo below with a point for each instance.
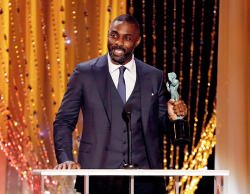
(126, 114)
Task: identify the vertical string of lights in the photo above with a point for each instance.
(131, 8)
(19, 69)
(185, 162)
(86, 14)
(165, 79)
(144, 32)
(171, 166)
(1, 56)
(174, 50)
(64, 35)
(75, 31)
(19, 65)
(47, 57)
(198, 77)
(191, 62)
(98, 27)
(185, 166)
(181, 72)
(177, 157)
(165, 156)
(109, 10)
(20, 109)
(210, 64)
(76, 133)
(32, 39)
(122, 7)
(3, 66)
(165, 41)
(154, 34)
(56, 45)
(182, 45)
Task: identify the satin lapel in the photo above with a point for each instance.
(146, 91)
(101, 73)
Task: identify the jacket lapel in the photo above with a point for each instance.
(101, 73)
(146, 91)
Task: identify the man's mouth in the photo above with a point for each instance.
(119, 52)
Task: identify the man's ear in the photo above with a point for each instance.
(138, 41)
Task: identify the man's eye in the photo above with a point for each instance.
(127, 38)
(113, 35)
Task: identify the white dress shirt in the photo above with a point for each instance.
(129, 75)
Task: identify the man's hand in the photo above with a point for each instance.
(68, 165)
(176, 108)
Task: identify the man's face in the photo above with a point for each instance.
(122, 39)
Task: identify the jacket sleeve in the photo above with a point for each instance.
(164, 121)
(67, 116)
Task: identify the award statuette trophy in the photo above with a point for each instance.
(181, 135)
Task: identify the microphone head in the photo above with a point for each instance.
(127, 108)
(126, 113)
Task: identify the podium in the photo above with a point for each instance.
(38, 176)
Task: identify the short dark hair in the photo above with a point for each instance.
(129, 19)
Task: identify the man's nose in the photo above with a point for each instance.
(120, 41)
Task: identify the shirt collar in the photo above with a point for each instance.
(130, 65)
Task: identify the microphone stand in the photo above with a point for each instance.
(127, 117)
(128, 124)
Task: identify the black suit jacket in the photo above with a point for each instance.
(88, 89)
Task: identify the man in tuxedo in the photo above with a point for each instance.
(100, 88)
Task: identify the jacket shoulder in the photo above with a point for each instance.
(86, 65)
(148, 67)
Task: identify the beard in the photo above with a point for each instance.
(119, 59)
